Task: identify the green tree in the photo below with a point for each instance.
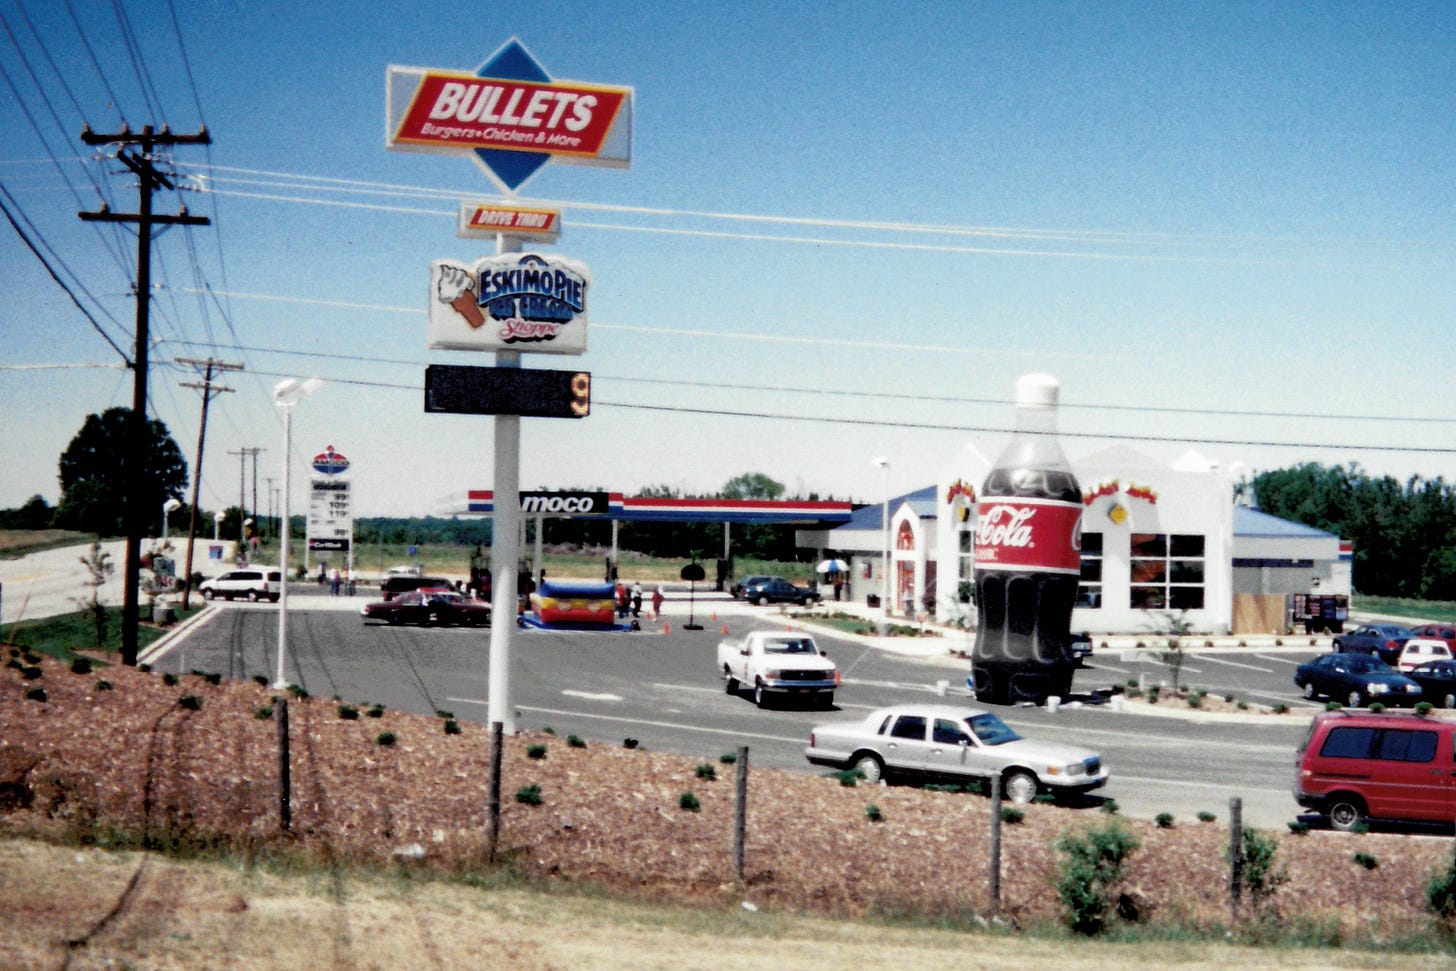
(34, 514)
(95, 467)
(752, 485)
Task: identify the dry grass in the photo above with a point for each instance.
(87, 761)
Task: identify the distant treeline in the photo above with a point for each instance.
(1404, 533)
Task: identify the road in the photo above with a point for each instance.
(659, 688)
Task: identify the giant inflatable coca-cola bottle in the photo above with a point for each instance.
(1028, 559)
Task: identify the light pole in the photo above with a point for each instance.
(884, 464)
(286, 395)
(216, 515)
(167, 508)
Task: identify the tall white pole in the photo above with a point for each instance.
(884, 464)
(278, 683)
(504, 543)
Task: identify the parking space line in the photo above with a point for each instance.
(1295, 662)
(675, 726)
(1235, 664)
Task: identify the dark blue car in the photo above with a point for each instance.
(1438, 682)
(777, 590)
(1382, 640)
(1355, 680)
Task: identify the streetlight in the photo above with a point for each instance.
(884, 464)
(216, 515)
(286, 395)
(167, 508)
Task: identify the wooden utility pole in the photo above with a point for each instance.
(140, 161)
(208, 389)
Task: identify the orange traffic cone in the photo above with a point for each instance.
(667, 628)
(715, 615)
(725, 630)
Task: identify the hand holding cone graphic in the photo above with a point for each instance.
(457, 288)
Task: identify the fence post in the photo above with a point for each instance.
(1236, 856)
(995, 874)
(285, 773)
(492, 806)
(740, 811)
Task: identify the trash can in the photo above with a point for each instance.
(161, 612)
(872, 600)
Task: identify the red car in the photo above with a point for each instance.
(1437, 632)
(429, 606)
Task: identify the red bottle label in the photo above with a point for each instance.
(1039, 535)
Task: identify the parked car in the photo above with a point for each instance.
(1355, 766)
(1438, 682)
(1419, 650)
(944, 741)
(432, 606)
(777, 590)
(410, 570)
(1383, 640)
(1439, 632)
(1356, 680)
(252, 584)
(392, 586)
(737, 588)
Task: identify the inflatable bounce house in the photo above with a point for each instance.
(574, 605)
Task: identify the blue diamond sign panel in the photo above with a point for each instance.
(510, 116)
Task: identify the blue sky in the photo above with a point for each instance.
(846, 230)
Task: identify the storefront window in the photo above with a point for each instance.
(1089, 587)
(1166, 572)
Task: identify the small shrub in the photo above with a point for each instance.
(375, 711)
(35, 694)
(548, 730)
(1333, 706)
(728, 758)
(298, 691)
(1376, 708)
(81, 665)
(1165, 820)
(629, 743)
(144, 668)
(536, 752)
(264, 713)
(1134, 692)
(1278, 642)
(1195, 701)
(211, 677)
(169, 679)
(349, 713)
(190, 702)
(529, 795)
(442, 713)
(1090, 869)
(32, 672)
(452, 727)
(1441, 893)
(1366, 860)
(575, 741)
(706, 771)
(1011, 815)
(103, 685)
(385, 739)
(261, 679)
(1299, 827)
(873, 814)
(1243, 705)
(1260, 874)
(1423, 708)
(1110, 807)
(689, 802)
(1206, 817)
(1280, 709)
(849, 778)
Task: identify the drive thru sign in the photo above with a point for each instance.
(510, 115)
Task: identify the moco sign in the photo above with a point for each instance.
(514, 301)
(564, 503)
(510, 114)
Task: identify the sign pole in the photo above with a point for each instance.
(504, 542)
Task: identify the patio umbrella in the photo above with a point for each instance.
(832, 566)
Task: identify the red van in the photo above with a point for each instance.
(1357, 765)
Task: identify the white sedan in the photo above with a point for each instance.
(943, 741)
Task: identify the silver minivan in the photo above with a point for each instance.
(251, 583)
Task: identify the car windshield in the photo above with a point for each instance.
(789, 645)
(991, 730)
(1363, 665)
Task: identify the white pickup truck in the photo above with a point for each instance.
(777, 662)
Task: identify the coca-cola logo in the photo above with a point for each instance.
(1005, 526)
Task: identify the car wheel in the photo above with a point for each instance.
(1355, 699)
(757, 601)
(1020, 786)
(760, 697)
(1345, 813)
(1309, 691)
(730, 683)
(870, 766)
(208, 595)
(252, 596)
(825, 699)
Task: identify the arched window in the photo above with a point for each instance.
(905, 537)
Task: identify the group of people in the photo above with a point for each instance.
(339, 581)
(630, 600)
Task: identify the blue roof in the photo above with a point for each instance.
(922, 501)
(1256, 522)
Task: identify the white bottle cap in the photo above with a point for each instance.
(1037, 391)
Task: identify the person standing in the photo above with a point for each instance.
(637, 600)
(336, 580)
(657, 598)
